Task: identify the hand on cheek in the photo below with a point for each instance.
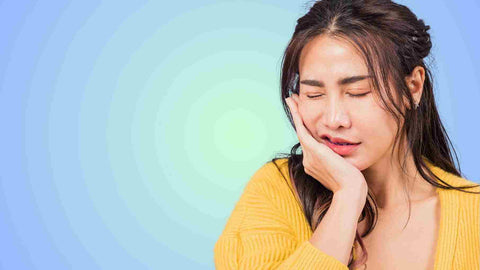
(296, 98)
(321, 162)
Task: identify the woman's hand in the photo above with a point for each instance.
(322, 163)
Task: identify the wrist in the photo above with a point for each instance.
(353, 198)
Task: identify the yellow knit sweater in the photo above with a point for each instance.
(268, 230)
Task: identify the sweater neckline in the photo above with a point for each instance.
(449, 217)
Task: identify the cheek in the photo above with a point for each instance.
(310, 118)
(377, 127)
(309, 114)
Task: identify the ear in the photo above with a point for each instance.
(415, 82)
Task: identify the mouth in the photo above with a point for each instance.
(342, 148)
(338, 141)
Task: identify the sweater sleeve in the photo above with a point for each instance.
(258, 236)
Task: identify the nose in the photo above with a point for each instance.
(335, 114)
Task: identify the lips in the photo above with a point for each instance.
(342, 149)
(338, 141)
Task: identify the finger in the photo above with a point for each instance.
(302, 132)
(292, 108)
(305, 133)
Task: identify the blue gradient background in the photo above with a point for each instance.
(129, 128)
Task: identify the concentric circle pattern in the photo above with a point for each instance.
(130, 128)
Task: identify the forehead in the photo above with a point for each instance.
(329, 56)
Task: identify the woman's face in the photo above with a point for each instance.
(337, 112)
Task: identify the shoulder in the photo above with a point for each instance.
(461, 182)
(453, 180)
(267, 200)
(467, 205)
(268, 184)
(273, 180)
(270, 175)
(466, 199)
(469, 195)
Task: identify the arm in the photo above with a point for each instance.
(339, 226)
(259, 236)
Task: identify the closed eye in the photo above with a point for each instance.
(359, 95)
(352, 95)
(314, 96)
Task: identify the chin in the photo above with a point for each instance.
(357, 163)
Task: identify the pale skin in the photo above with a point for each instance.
(329, 107)
(359, 119)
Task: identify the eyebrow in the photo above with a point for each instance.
(342, 81)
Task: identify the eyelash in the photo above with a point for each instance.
(354, 96)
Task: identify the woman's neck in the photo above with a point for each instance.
(387, 181)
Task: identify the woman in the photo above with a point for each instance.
(359, 96)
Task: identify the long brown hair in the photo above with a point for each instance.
(392, 41)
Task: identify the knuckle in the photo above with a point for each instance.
(306, 168)
(305, 163)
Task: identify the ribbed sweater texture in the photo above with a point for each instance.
(267, 228)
